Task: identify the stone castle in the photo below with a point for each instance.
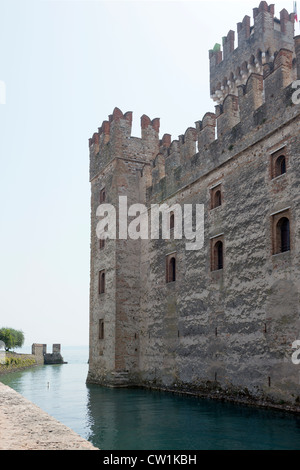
(224, 316)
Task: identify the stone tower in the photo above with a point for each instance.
(119, 166)
(257, 46)
(227, 317)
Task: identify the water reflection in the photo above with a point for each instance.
(141, 419)
(133, 419)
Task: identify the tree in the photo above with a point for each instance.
(12, 338)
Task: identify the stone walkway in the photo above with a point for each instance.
(24, 426)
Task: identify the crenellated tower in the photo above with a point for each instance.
(257, 46)
(120, 165)
(228, 323)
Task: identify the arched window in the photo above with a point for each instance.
(217, 198)
(218, 251)
(101, 282)
(280, 166)
(283, 235)
(171, 268)
(278, 163)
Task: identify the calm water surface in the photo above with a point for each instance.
(132, 419)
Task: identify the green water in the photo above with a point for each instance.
(134, 419)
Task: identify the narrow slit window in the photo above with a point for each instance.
(101, 282)
(217, 254)
(102, 196)
(101, 329)
(171, 268)
(283, 231)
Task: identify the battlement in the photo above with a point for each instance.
(115, 120)
(114, 139)
(124, 122)
(257, 46)
(262, 105)
(249, 105)
(163, 314)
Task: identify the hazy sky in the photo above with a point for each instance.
(66, 65)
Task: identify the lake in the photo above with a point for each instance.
(137, 419)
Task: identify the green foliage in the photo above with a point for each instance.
(18, 361)
(12, 338)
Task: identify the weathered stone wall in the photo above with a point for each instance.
(38, 350)
(234, 326)
(124, 171)
(53, 358)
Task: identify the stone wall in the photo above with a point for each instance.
(232, 326)
(42, 357)
(39, 350)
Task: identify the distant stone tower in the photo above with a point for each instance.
(223, 317)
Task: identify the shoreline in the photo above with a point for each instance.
(25, 426)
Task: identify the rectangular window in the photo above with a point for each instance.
(101, 244)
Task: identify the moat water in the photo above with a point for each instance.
(133, 419)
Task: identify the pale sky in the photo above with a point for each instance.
(66, 64)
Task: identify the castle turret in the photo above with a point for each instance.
(257, 45)
(120, 167)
